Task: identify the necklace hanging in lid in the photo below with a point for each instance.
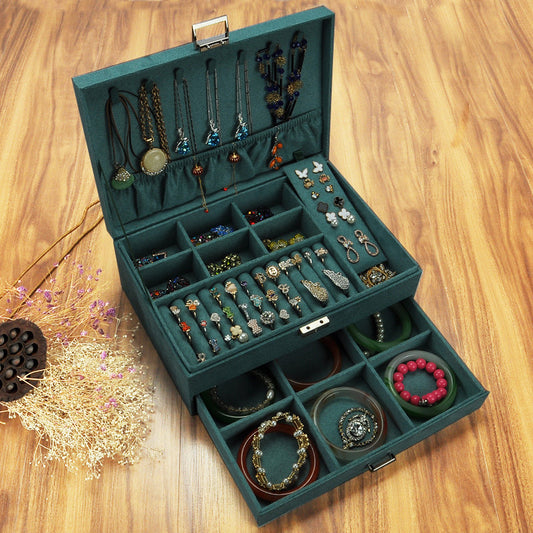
(154, 160)
(213, 136)
(121, 178)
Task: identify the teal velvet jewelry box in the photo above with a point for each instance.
(246, 245)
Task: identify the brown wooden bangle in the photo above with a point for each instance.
(270, 495)
(331, 344)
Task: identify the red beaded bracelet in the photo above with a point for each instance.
(427, 400)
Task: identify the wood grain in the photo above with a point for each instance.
(432, 124)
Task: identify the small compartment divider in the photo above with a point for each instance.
(185, 265)
(383, 395)
(326, 454)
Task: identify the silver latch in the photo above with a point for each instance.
(210, 42)
(314, 326)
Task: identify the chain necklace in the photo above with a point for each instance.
(243, 127)
(121, 179)
(154, 160)
(183, 146)
(213, 137)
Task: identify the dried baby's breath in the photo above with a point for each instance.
(94, 400)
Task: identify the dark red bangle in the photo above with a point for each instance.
(331, 344)
(269, 495)
(431, 368)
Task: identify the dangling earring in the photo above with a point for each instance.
(197, 169)
(276, 160)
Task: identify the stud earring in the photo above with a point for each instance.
(317, 167)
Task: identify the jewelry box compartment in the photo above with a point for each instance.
(217, 306)
(331, 397)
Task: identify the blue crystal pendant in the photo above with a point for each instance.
(242, 129)
(213, 137)
(183, 146)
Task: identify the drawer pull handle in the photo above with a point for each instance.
(390, 458)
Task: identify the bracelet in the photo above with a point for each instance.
(333, 348)
(420, 404)
(266, 493)
(429, 399)
(303, 443)
(361, 426)
(377, 345)
(229, 413)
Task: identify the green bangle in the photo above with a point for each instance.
(379, 346)
(227, 413)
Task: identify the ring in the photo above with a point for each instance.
(255, 327)
(192, 306)
(231, 288)
(317, 291)
(257, 301)
(338, 279)
(229, 314)
(272, 297)
(268, 318)
(321, 253)
(297, 260)
(215, 318)
(260, 278)
(285, 265)
(216, 295)
(273, 272)
(284, 315)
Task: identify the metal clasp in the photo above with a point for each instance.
(314, 326)
(390, 458)
(210, 42)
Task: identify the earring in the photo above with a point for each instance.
(318, 167)
(370, 247)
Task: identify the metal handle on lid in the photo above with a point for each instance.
(210, 42)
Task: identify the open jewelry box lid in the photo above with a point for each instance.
(153, 199)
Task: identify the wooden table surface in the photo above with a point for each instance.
(432, 123)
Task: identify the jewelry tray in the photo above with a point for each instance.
(164, 214)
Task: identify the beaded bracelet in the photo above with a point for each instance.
(268, 494)
(419, 404)
(303, 443)
(429, 399)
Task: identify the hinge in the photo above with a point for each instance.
(210, 42)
